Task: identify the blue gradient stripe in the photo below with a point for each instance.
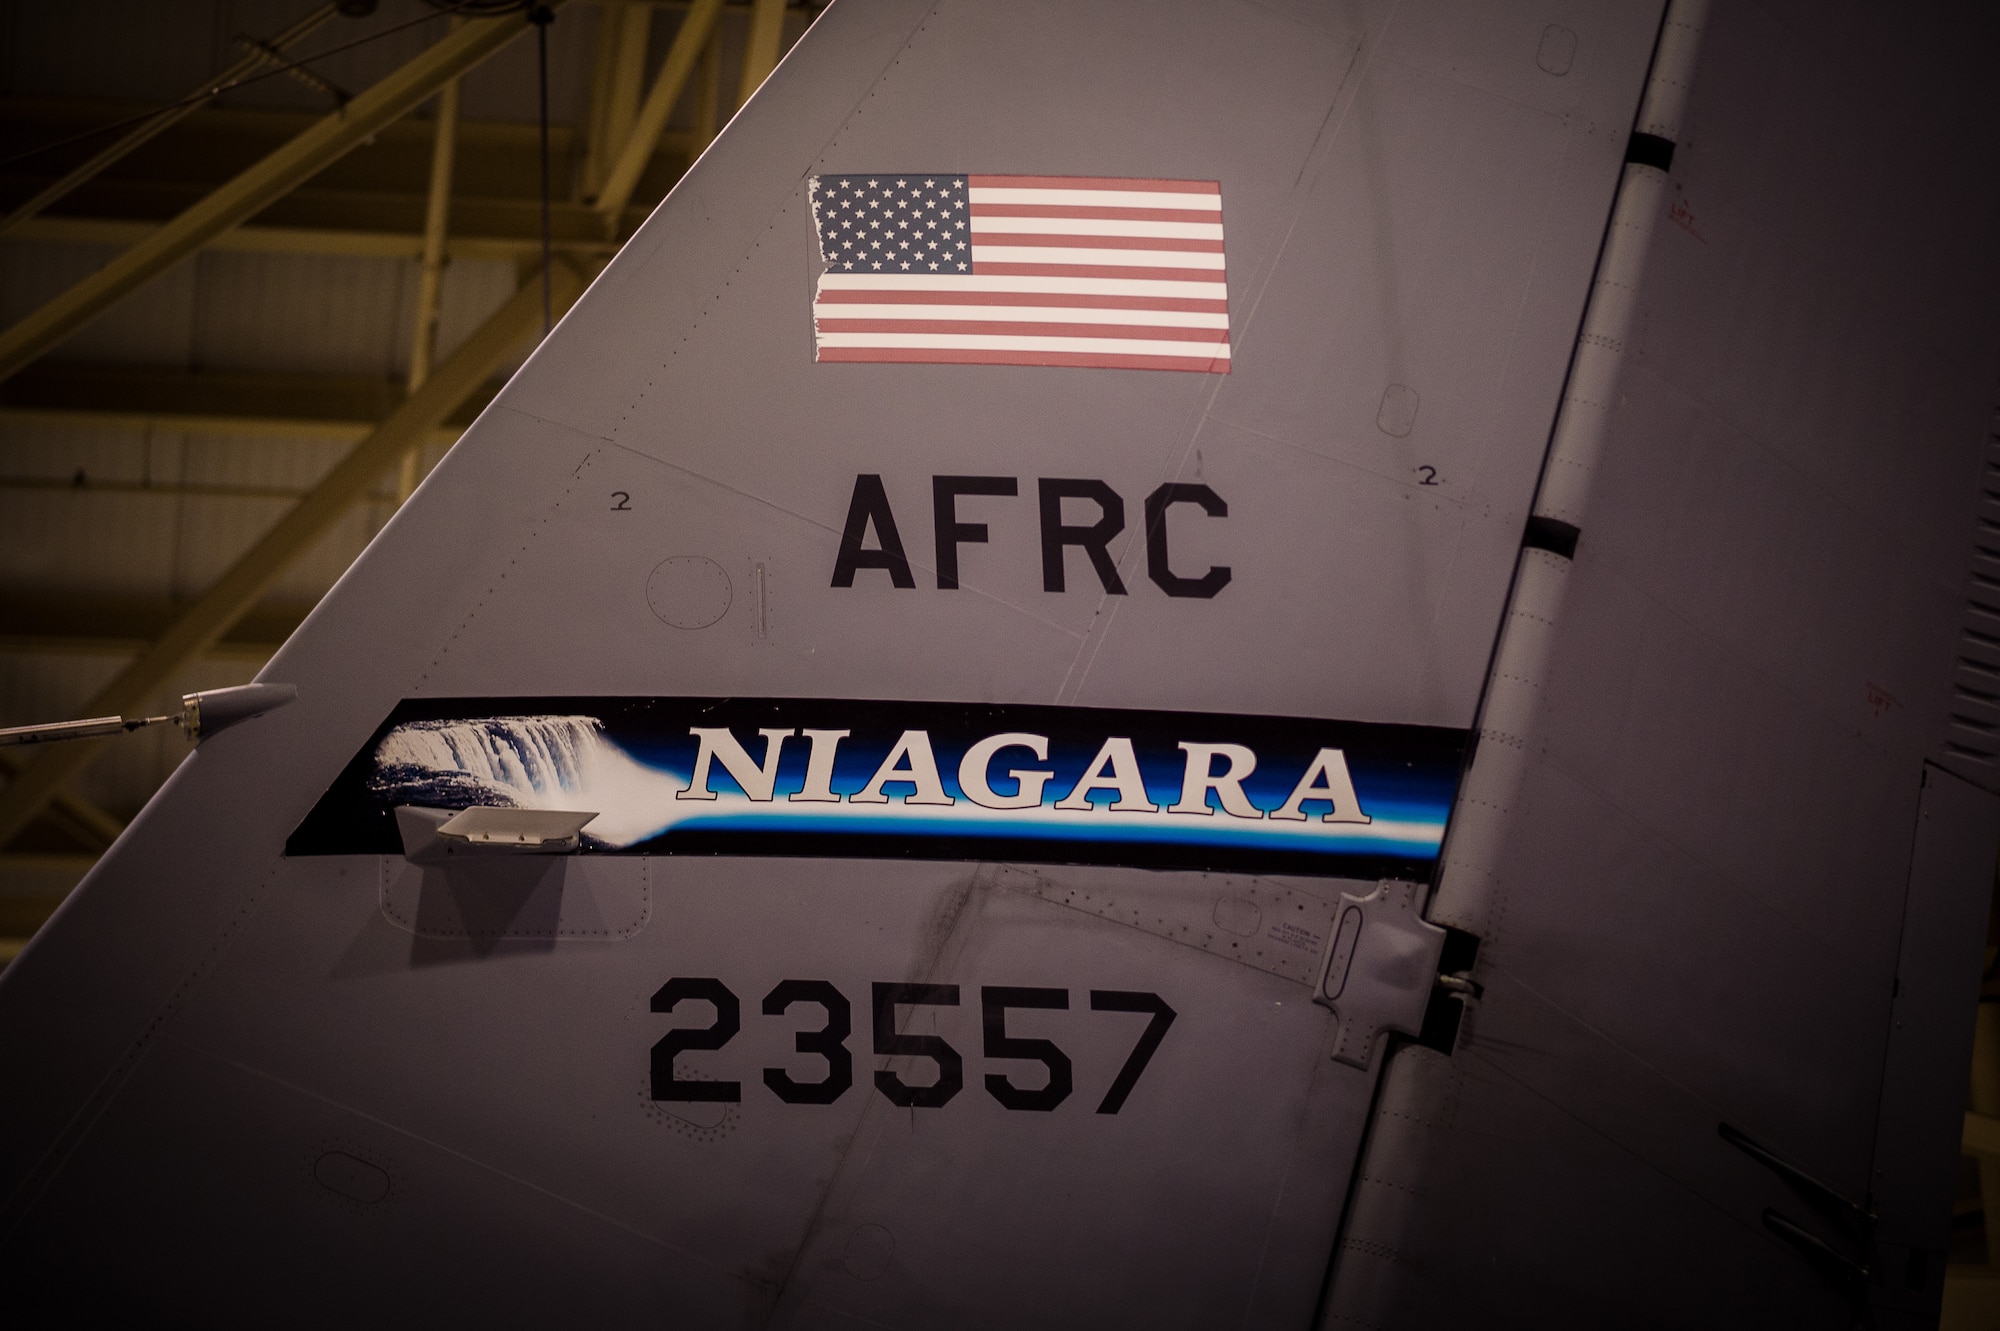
(632, 762)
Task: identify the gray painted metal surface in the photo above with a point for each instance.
(1696, 910)
(429, 1090)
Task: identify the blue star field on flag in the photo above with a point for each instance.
(902, 223)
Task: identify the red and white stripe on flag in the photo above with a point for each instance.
(1065, 270)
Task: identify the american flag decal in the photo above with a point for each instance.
(1021, 270)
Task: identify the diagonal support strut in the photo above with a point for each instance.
(237, 590)
(258, 187)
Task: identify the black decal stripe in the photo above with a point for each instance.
(1553, 535)
(1650, 150)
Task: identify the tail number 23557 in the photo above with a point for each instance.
(829, 1043)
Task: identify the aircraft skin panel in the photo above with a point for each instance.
(433, 1046)
(1475, 177)
(1715, 853)
(655, 510)
(1413, 248)
(387, 1210)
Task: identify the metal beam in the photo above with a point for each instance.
(437, 216)
(501, 159)
(1971, 1299)
(73, 815)
(108, 624)
(371, 203)
(76, 864)
(128, 645)
(1982, 1135)
(73, 486)
(1983, 1124)
(246, 580)
(239, 403)
(603, 56)
(707, 96)
(253, 190)
(430, 279)
(276, 428)
(20, 916)
(624, 35)
(164, 120)
(380, 229)
(682, 6)
(23, 913)
(83, 821)
(761, 51)
(637, 150)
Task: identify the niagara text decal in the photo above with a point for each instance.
(822, 777)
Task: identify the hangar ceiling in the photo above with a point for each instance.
(197, 445)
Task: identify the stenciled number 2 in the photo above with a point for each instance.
(829, 1043)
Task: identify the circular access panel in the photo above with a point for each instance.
(870, 1248)
(688, 591)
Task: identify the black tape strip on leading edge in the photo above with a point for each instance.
(1650, 150)
(1553, 535)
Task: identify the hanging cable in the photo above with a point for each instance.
(209, 94)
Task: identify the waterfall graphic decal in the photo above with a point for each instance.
(822, 777)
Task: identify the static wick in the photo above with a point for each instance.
(201, 715)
